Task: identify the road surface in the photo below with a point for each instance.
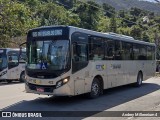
(124, 98)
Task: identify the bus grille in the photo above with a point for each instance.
(46, 88)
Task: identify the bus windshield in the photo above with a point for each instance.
(48, 54)
(3, 61)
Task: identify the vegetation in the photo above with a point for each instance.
(18, 16)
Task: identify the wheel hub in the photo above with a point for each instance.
(95, 89)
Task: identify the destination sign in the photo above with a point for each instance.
(45, 33)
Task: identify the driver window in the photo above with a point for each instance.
(23, 57)
(12, 61)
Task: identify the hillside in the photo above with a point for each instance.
(127, 4)
(155, 1)
(17, 17)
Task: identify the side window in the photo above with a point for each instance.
(80, 53)
(136, 51)
(149, 53)
(143, 52)
(139, 52)
(96, 48)
(109, 49)
(12, 60)
(127, 51)
(118, 50)
(153, 53)
(3, 61)
(22, 58)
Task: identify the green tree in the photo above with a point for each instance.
(145, 37)
(109, 11)
(68, 4)
(122, 13)
(124, 30)
(15, 20)
(113, 24)
(103, 25)
(136, 12)
(136, 32)
(53, 14)
(89, 14)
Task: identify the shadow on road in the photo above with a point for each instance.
(112, 97)
(6, 83)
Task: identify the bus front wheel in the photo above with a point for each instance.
(22, 77)
(95, 89)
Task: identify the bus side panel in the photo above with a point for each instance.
(130, 71)
(111, 75)
(13, 73)
(79, 86)
(79, 81)
(138, 65)
(115, 73)
(3, 74)
(119, 68)
(150, 69)
(21, 68)
(84, 77)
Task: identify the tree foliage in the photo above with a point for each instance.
(15, 20)
(18, 16)
(88, 13)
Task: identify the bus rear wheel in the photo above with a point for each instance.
(139, 80)
(95, 89)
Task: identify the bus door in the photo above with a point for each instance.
(13, 63)
(3, 64)
(22, 61)
(79, 61)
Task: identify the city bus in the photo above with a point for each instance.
(69, 61)
(12, 64)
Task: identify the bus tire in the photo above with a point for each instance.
(9, 81)
(139, 80)
(95, 89)
(22, 77)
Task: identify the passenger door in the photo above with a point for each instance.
(79, 61)
(13, 71)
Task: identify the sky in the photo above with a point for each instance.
(151, 0)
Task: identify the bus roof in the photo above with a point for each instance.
(109, 35)
(13, 49)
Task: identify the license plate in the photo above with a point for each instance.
(40, 89)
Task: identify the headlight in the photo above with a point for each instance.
(65, 80)
(62, 82)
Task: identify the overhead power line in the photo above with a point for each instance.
(82, 1)
(107, 11)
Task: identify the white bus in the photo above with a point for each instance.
(68, 61)
(12, 64)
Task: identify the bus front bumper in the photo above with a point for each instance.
(64, 90)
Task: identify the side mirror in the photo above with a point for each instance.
(20, 50)
(20, 46)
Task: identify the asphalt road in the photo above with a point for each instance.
(124, 98)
